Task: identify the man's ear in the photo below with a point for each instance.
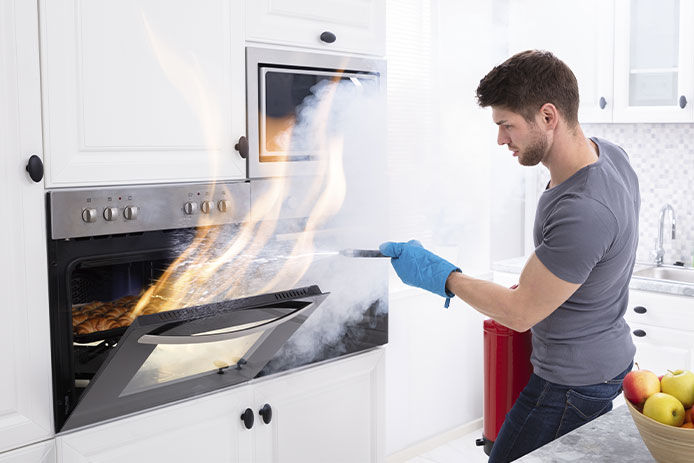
(549, 116)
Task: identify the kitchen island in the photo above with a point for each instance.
(611, 437)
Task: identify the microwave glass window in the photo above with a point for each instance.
(289, 103)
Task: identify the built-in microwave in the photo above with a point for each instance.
(293, 95)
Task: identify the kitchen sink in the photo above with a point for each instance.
(675, 274)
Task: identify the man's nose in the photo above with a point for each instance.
(501, 138)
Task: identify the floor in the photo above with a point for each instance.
(459, 450)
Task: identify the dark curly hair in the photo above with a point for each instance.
(528, 80)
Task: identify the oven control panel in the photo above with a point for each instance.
(82, 212)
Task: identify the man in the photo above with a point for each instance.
(573, 290)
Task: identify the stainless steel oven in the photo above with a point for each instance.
(289, 91)
(163, 292)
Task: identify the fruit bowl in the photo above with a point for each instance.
(667, 444)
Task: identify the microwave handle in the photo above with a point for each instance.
(216, 337)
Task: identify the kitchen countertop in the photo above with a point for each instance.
(515, 265)
(611, 437)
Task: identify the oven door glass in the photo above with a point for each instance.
(173, 355)
(291, 104)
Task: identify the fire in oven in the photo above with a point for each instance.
(139, 320)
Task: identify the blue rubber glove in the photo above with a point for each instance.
(418, 267)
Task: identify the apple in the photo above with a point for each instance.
(665, 409)
(638, 385)
(688, 425)
(688, 415)
(680, 384)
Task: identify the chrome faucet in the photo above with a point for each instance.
(659, 251)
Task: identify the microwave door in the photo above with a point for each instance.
(174, 355)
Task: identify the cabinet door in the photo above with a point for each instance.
(43, 452)
(330, 413)
(203, 430)
(661, 349)
(357, 27)
(560, 27)
(140, 92)
(25, 382)
(654, 61)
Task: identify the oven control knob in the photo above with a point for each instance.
(190, 208)
(89, 215)
(223, 205)
(130, 212)
(206, 206)
(110, 213)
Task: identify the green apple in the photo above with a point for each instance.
(680, 384)
(665, 409)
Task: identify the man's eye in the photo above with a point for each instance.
(507, 126)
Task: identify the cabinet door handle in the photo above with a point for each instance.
(247, 417)
(35, 168)
(640, 309)
(683, 101)
(328, 37)
(242, 147)
(266, 413)
(602, 102)
(639, 333)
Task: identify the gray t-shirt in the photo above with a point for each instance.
(586, 232)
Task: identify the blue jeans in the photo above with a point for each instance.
(545, 411)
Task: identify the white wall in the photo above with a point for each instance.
(454, 189)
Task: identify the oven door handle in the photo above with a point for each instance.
(216, 337)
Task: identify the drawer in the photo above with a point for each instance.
(655, 309)
(661, 349)
(357, 27)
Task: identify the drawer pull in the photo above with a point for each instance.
(640, 309)
(247, 418)
(639, 333)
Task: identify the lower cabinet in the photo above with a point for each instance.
(331, 412)
(43, 452)
(662, 327)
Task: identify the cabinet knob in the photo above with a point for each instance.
(639, 333)
(640, 309)
(247, 417)
(328, 37)
(683, 101)
(602, 102)
(242, 147)
(266, 413)
(35, 168)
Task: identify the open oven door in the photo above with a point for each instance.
(169, 356)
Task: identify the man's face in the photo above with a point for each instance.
(525, 139)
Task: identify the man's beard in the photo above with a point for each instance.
(534, 153)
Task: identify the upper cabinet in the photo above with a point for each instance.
(654, 61)
(333, 25)
(581, 37)
(633, 59)
(141, 92)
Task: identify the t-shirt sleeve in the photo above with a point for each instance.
(576, 235)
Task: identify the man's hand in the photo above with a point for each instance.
(418, 267)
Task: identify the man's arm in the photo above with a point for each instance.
(539, 293)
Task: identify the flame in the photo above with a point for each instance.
(215, 265)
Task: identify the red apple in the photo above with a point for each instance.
(639, 385)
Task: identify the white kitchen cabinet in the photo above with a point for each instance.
(662, 327)
(205, 429)
(142, 92)
(25, 384)
(357, 27)
(654, 61)
(43, 452)
(329, 412)
(581, 37)
(332, 413)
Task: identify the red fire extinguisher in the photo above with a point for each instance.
(507, 370)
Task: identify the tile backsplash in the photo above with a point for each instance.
(663, 157)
